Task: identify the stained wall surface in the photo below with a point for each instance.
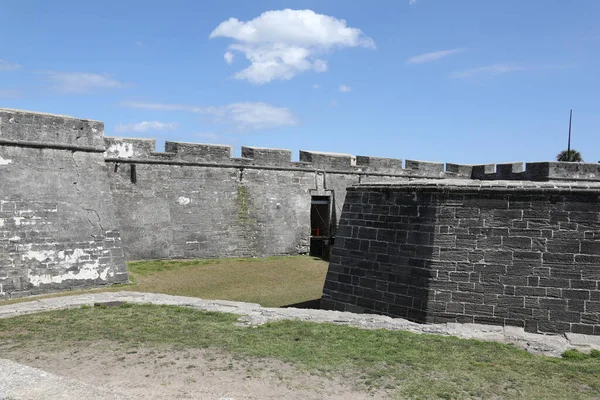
(505, 253)
(196, 201)
(57, 223)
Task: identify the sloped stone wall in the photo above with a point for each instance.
(505, 253)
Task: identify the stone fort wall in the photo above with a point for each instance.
(58, 228)
(76, 204)
(195, 200)
(514, 253)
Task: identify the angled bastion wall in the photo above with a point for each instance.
(505, 253)
(57, 223)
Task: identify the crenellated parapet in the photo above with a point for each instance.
(142, 150)
(533, 171)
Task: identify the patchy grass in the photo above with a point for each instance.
(270, 282)
(413, 366)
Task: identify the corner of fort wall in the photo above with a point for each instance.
(57, 224)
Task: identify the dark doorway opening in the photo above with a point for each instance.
(320, 226)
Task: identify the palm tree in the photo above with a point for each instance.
(572, 156)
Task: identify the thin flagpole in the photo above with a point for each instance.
(569, 143)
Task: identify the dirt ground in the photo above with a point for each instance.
(169, 373)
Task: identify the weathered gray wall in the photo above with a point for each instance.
(57, 225)
(197, 201)
(505, 253)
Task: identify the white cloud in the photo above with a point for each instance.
(80, 82)
(411, 2)
(487, 71)
(8, 66)
(245, 116)
(433, 56)
(139, 43)
(160, 106)
(282, 43)
(228, 57)
(320, 65)
(146, 126)
(316, 86)
(252, 116)
(345, 88)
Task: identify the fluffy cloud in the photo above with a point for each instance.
(252, 116)
(433, 56)
(280, 44)
(487, 71)
(81, 82)
(345, 88)
(161, 106)
(8, 66)
(247, 116)
(146, 126)
(228, 57)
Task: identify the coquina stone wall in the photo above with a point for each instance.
(197, 201)
(75, 204)
(57, 223)
(505, 253)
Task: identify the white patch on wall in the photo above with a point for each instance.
(184, 201)
(18, 220)
(87, 270)
(122, 150)
(1, 222)
(4, 161)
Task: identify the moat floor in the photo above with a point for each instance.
(168, 373)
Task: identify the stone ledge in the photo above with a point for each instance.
(475, 185)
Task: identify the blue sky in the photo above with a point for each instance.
(465, 81)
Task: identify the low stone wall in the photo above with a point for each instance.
(505, 253)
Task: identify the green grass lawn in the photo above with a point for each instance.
(413, 366)
(270, 282)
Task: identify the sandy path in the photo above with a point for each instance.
(168, 373)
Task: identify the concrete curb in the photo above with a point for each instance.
(253, 314)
